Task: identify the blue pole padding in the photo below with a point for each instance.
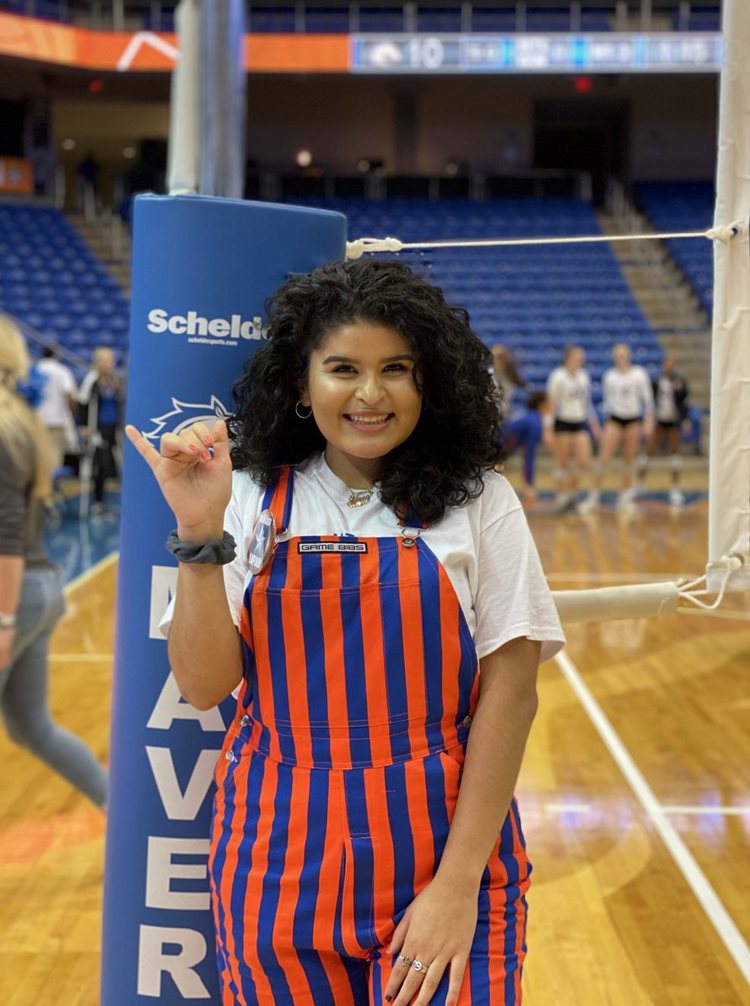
(202, 270)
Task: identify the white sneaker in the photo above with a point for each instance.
(676, 498)
(590, 503)
(625, 501)
(566, 505)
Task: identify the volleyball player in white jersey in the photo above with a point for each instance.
(628, 404)
(569, 393)
(670, 396)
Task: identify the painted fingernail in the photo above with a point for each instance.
(205, 456)
(208, 440)
(389, 999)
(193, 448)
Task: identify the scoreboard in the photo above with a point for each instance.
(605, 52)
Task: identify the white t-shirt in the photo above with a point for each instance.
(666, 405)
(570, 395)
(627, 394)
(485, 547)
(54, 408)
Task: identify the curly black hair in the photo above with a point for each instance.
(442, 462)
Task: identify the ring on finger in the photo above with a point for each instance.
(406, 961)
(419, 966)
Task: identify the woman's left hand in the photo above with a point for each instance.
(438, 930)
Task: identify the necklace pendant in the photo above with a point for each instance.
(359, 497)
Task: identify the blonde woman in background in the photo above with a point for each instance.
(100, 403)
(628, 404)
(31, 597)
(575, 422)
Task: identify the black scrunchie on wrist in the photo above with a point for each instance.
(216, 551)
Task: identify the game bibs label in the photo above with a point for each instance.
(331, 546)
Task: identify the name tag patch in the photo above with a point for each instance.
(331, 546)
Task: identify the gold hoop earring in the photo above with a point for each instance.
(301, 415)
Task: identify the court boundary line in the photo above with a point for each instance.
(91, 572)
(688, 866)
(78, 658)
(696, 810)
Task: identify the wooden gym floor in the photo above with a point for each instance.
(620, 820)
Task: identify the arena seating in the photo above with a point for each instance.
(387, 16)
(535, 299)
(53, 282)
(684, 206)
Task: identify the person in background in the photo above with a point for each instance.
(88, 171)
(575, 421)
(670, 392)
(628, 404)
(57, 405)
(100, 403)
(526, 429)
(31, 597)
(506, 375)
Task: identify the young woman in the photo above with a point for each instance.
(569, 392)
(100, 399)
(671, 393)
(506, 375)
(383, 619)
(31, 598)
(628, 404)
(527, 429)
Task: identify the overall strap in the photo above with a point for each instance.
(278, 496)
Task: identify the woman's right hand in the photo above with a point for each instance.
(196, 485)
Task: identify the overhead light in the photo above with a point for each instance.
(129, 153)
(68, 144)
(451, 168)
(303, 158)
(371, 164)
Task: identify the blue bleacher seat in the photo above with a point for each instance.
(388, 18)
(279, 20)
(488, 18)
(684, 206)
(66, 295)
(544, 19)
(439, 19)
(332, 20)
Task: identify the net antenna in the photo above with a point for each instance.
(728, 566)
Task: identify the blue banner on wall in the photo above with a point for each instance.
(202, 270)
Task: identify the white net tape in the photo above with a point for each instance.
(356, 249)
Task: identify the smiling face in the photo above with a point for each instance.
(362, 390)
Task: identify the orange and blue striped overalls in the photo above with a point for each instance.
(339, 776)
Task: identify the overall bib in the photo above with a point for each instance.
(339, 776)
